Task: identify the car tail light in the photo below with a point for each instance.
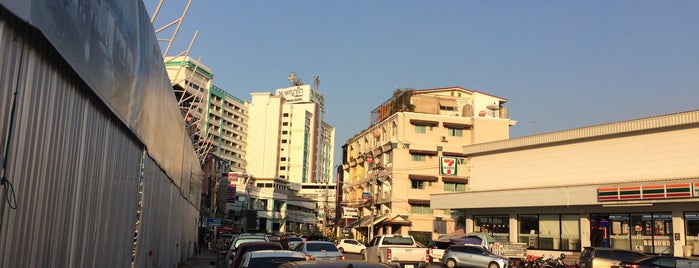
(341, 258)
(389, 254)
(309, 257)
(628, 265)
(428, 258)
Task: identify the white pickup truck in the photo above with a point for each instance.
(397, 251)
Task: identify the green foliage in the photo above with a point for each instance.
(423, 237)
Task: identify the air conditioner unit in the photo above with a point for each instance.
(444, 138)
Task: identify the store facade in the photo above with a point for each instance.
(627, 185)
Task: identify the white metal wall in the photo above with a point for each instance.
(74, 171)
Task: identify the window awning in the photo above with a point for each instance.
(397, 220)
(419, 122)
(422, 177)
(447, 102)
(453, 154)
(425, 152)
(366, 221)
(455, 179)
(456, 125)
(418, 202)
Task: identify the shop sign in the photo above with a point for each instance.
(447, 166)
(648, 192)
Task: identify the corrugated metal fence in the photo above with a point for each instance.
(74, 172)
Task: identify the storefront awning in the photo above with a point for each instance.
(366, 221)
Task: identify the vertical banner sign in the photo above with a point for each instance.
(232, 184)
(447, 166)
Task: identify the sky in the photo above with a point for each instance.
(560, 64)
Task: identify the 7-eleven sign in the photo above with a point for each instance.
(447, 166)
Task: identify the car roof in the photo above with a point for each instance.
(274, 253)
(257, 244)
(319, 242)
(335, 264)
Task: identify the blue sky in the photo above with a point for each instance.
(560, 64)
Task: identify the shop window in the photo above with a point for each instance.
(529, 230)
(498, 226)
(550, 231)
(650, 233)
(692, 231)
(570, 232)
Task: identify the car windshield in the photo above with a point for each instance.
(398, 241)
(272, 261)
(260, 247)
(294, 239)
(246, 240)
(321, 247)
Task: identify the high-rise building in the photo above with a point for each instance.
(217, 120)
(289, 141)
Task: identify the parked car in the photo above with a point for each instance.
(269, 258)
(662, 261)
(397, 250)
(334, 264)
(472, 256)
(350, 246)
(244, 238)
(437, 249)
(598, 257)
(320, 250)
(290, 242)
(252, 246)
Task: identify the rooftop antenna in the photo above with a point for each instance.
(295, 81)
(316, 81)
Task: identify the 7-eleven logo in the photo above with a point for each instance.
(448, 166)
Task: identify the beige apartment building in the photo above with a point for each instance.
(408, 152)
(628, 185)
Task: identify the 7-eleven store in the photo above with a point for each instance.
(627, 185)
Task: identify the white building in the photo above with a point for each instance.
(289, 141)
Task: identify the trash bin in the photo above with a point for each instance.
(687, 250)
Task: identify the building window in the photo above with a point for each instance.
(420, 129)
(394, 129)
(420, 209)
(455, 132)
(417, 157)
(550, 231)
(454, 187)
(284, 132)
(285, 123)
(282, 159)
(284, 141)
(282, 168)
(285, 115)
(417, 184)
(498, 226)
